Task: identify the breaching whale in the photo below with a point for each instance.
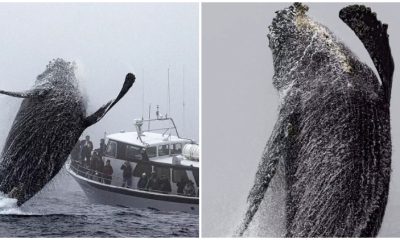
(50, 120)
(331, 145)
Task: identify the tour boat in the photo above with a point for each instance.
(159, 153)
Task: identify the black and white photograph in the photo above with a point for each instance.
(100, 120)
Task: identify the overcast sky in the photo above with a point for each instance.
(106, 41)
(240, 105)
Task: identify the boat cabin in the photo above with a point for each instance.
(152, 153)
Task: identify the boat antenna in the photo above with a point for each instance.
(169, 97)
(148, 122)
(183, 98)
(143, 94)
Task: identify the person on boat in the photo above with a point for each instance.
(145, 157)
(76, 152)
(165, 184)
(93, 160)
(142, 181)
(92, 164)
(189, 189)
(87, 148)
(108, 172)
(100, 169)
(153, 183)
(126, 174)
(181, 185)
(103, 147)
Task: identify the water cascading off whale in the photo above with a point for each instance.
(49, 122)
(330, 150)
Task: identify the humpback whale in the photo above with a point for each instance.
(49, 122)
(331, 144)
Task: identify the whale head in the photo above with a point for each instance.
(299, 44)
(58, 71)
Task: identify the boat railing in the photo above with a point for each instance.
(95, 175)
(164, 130)
(92, 174)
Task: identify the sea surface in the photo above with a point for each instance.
(61, 209)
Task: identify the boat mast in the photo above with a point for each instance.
(183, 99)
(169, 97)
(169, 100)
(143, 94)
(148, 124)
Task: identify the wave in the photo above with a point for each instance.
(9, 206)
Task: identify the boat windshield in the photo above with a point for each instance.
(176, 148)
(163, 150)
(151, 152)
(111, 149)
(134, 152)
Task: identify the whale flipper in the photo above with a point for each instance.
(99, 114)
(37, 92)
(373, 34)
(265, 172)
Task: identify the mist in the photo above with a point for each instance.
(106, 41)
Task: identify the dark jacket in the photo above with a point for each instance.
(142, 182)
(153, 183)
(127, 170)
(181, 185)
(165, 185)
(87, 147)
(102, 149)
(108, 170)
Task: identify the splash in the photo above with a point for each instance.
(9, 206)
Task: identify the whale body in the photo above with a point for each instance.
(331, 145)
(49, 122)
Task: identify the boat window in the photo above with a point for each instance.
(196, 175)
(162, 171)
(163, 150)
(176, 148)
(133, 152)
(142, 168)
(151, 152)
(111, 149)
(179, 175)
(121, 150)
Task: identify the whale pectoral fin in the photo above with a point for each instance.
(373, 34)
(265, 172)
(263, 178)
(99, 114)
(27, 94)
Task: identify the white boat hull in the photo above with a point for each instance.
(102, 193)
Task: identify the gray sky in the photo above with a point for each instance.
(239, 103)
(106, 41)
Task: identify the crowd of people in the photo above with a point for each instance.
(163, 184)
(87, 158)
(92, 162)
(154, 183)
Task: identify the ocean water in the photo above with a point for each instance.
(61, 209)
